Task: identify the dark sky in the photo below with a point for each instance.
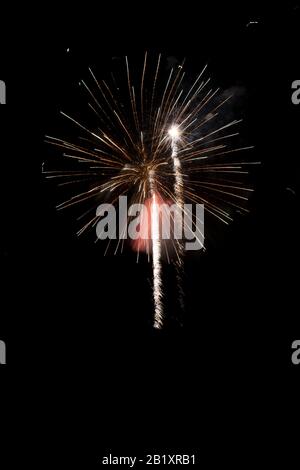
(77, 325)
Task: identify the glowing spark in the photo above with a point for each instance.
(174, 132)
(251, 22)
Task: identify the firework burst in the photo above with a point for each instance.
(154, 138)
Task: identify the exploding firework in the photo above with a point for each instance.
(154, 137)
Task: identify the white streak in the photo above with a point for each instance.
(178, 191)
(156, 256)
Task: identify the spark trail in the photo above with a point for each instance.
(156, 254)
(174, 134)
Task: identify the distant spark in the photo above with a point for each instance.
(251, 22)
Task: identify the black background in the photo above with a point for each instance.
(86, 373)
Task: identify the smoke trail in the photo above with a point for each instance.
(178, 191)
(156, 255)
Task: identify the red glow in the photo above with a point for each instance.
(143, 242)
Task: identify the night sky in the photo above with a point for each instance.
(82, 354)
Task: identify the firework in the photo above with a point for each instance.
(153, 136)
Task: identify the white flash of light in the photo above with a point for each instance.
(174, 132)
